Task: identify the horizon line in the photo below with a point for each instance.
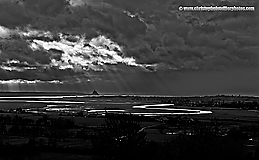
(123, 94)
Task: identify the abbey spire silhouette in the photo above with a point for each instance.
(95, 92)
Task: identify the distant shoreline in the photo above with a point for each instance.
(30, 93)
(66, 93)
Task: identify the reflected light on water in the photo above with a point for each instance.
(160, 114)
(106, 110)
(149, 107)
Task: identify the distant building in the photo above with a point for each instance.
(95, 92)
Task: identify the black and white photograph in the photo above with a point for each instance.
(129, 79)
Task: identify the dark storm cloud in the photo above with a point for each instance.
(19, 50)
(13, 14)
(221, 48)
(237, 23)
(21, 13)
(200, 50)
(161, 40)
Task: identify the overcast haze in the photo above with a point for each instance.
(128, 47)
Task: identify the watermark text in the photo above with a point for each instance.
(217, 8)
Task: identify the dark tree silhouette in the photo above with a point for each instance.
(118, 138)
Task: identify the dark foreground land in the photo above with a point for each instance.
(230, 132)
(123, 137)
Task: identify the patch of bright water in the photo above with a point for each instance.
(139, 110)
(150, 107)
(57, 104)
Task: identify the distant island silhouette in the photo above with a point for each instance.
(95, 92)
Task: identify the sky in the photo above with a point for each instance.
(146, 47)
